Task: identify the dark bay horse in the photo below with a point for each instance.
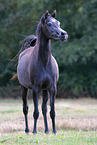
(38, 70)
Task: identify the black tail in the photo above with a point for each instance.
(27, 42)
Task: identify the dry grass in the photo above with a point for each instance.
(78, 115)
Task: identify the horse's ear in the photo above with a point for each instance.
(54, 14)
(46, 14)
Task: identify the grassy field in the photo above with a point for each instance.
(76, 123)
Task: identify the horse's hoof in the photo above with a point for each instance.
(27, 131)
(54, 131)
(47, 131)
(34, 132)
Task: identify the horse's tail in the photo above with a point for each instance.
(28, 42)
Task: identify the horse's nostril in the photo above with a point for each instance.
(62, 33)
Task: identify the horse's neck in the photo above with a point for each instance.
(44, 52)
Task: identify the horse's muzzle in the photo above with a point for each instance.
(64, 37)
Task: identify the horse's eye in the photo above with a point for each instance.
(49, 24)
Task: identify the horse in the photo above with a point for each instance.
(38, 70)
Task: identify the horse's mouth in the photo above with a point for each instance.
(63, 39)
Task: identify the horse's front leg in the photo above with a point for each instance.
(52, 111)
(36, 112)
(44, 109)
(25, 107)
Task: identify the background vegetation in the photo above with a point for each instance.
(77, 58)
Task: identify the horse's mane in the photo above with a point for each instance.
(38, 30)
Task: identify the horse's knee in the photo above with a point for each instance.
(36, 114)
(52, 114)
(44, 109)
(25, 110)
(53, 91)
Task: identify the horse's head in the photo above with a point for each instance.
(51, 27)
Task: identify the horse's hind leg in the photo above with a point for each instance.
(44, 109)
(52, 111)
(25, 107)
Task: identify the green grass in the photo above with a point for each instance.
(62, 138)
(76, 123)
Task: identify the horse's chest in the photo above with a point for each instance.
(42, 77)
(45, 80)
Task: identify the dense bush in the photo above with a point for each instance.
(77, 58)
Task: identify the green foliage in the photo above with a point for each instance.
(77, 58)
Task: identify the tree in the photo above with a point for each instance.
(77, 58)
